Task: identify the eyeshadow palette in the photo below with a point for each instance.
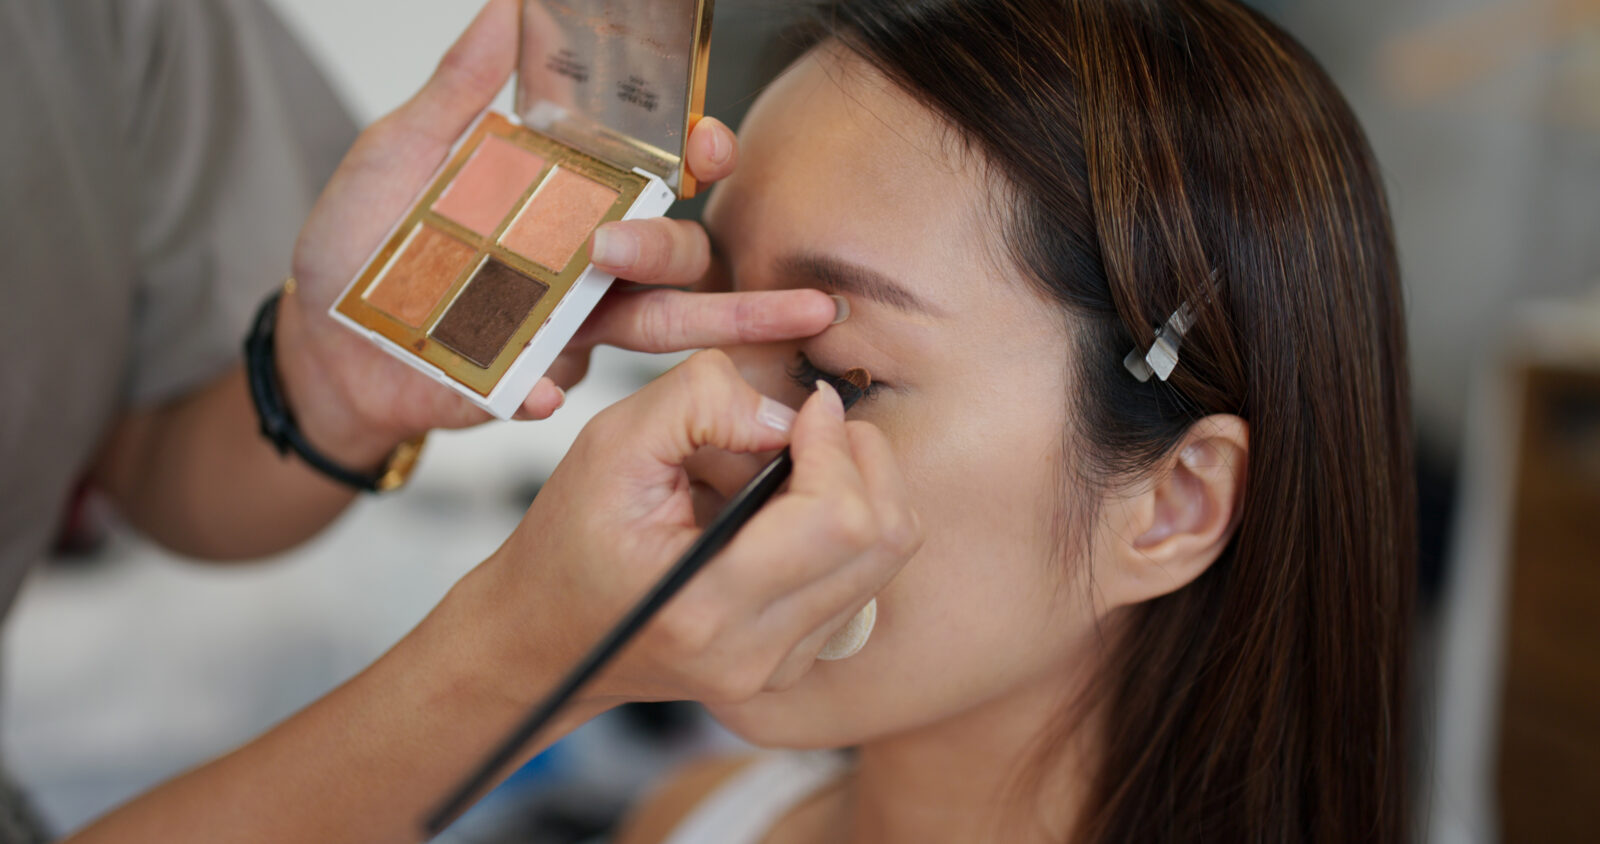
(491, 255)
(487, 277)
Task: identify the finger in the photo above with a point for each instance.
(453, 412)
(661, 321)
(895, 535)
(702, 402)
(396, 156)
(654, 251)
(570, 366)
(543, 401)
(713, 151)
(824, 512)
(824, 467)
(898, 526)
(850, 500)
(467, 79)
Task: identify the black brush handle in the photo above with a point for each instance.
(713, 539)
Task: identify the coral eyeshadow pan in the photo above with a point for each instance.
(490, 183)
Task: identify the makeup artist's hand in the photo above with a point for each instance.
(356, 402)
(617, 513)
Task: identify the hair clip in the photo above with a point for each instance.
(1163, 355)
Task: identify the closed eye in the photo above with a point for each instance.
(806, 374)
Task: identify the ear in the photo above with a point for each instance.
(1167, 534)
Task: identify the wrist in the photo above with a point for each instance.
(501, 648)
(323, 409)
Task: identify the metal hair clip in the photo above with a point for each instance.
(1163, 355)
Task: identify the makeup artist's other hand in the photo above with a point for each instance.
(351, 399)
(617, 513)
(356, 402)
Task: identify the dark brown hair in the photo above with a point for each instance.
(1179, 151)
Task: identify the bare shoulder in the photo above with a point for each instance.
(661, 811)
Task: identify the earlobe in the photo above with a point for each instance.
(1185, 517)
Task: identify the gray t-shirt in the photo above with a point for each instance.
(156, 160)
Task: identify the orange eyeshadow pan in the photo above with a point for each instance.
(559, 218)
(419, 275)
(488, 185)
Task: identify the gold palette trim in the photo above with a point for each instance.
(417, 340)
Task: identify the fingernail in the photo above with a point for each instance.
(561, 398)
(614, 247)
(775, 415)
(841, 309)
(720, 148)
(830, 398)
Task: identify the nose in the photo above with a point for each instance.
(766, 367)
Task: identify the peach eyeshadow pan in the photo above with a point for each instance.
(419, 275)
(558, 220)
(491, 182)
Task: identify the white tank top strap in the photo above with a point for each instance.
(744, 809)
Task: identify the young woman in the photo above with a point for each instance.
(1145, 609)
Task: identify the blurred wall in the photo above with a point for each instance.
(377, 53)
(1485, 115)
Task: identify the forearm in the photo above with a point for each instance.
(198, 477)
(364, 763)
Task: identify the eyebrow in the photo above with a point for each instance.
(840, 276)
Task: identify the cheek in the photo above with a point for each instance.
(986, 575)
(979, 612)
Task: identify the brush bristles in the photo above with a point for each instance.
(856, 381)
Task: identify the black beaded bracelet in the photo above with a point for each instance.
(277, 422)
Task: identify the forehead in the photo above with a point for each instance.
(835, 158)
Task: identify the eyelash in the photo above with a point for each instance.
(806, 374)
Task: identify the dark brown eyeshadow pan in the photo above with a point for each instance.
(489, 310)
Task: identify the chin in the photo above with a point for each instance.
(807, 717)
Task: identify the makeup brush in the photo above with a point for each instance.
(716, 536)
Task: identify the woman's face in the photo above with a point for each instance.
(847, 184)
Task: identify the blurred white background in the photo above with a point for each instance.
(377, 54)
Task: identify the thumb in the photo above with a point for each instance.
(467, 79)
(821, 447)
(392, 161)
